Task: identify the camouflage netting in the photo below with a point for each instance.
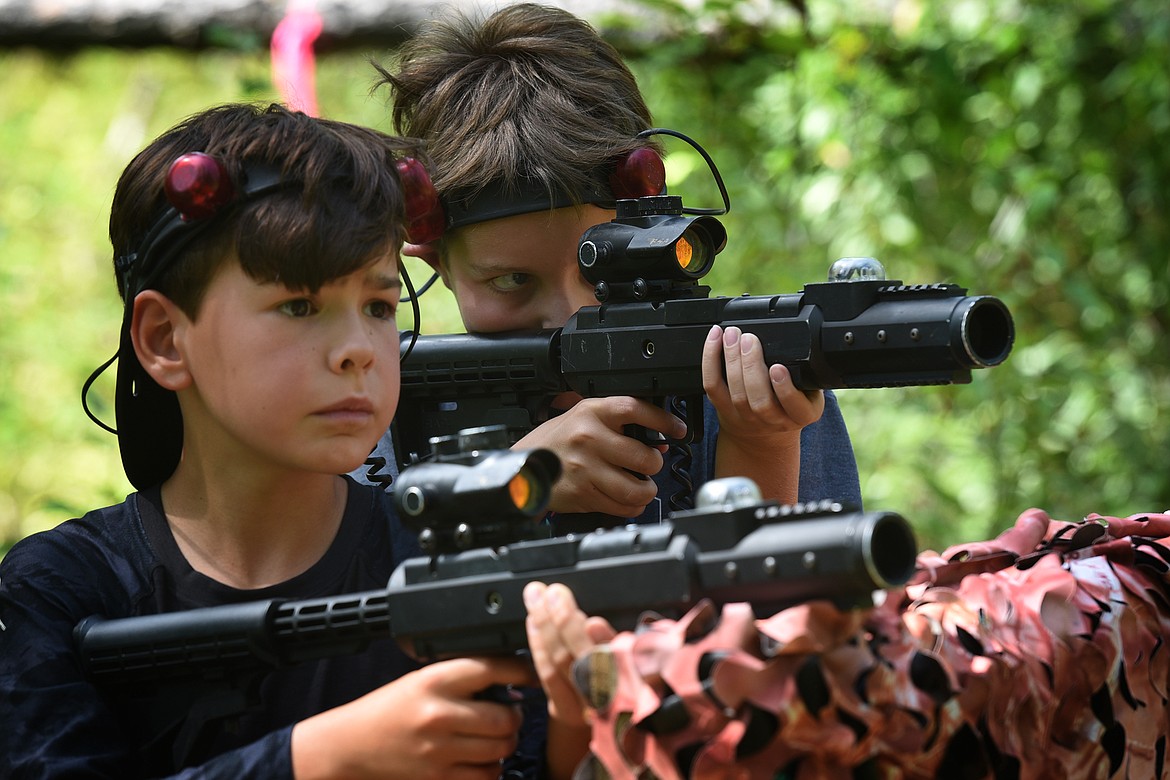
(1040, 654)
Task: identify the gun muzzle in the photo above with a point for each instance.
(985, 330)
(908, 335)
(843, 557)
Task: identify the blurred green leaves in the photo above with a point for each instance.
(1018, 149)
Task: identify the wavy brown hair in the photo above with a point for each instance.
(529, 92)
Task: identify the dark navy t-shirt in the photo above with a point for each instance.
(122, 561)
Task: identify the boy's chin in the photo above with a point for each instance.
(338, 464)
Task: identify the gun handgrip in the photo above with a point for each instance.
(694, 411)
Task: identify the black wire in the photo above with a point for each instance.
(682, 459)
(85, 394)
(412, 298)
(710, 164)
(375, 474)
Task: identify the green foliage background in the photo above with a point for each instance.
(1016, 148)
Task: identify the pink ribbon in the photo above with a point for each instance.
(293, 61)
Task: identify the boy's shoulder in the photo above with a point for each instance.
(100, 555)
(94, 533)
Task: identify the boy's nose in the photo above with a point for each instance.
(355, 346)
(556, 315)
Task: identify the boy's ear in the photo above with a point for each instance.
(154, 328)
(429, 254)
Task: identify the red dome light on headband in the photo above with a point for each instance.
(197, 184)
(425, 219)
(638, 174)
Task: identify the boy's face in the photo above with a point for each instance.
(303, 381)
(520, 273)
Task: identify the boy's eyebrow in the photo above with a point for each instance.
(385, 281)
(492, 268)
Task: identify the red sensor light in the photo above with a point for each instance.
(197, 184)
(425, 219)
(638, 174)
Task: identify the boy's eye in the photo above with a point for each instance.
(300, 307)
(383, 310)
(510, 282)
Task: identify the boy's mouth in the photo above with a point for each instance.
(351, 408)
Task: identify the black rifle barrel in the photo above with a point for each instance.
(755, 554)
(830, 335)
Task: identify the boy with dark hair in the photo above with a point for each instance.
(525, 115)
(258, 361)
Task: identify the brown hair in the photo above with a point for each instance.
(531, 92)
(343, 206)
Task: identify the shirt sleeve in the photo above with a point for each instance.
(828, 467)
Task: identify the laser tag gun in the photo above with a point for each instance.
(193, 669)
(645, 337)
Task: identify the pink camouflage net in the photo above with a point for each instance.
(1040, 654)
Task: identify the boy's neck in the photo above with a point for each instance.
(248, 534)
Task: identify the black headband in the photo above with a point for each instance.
(507, 199)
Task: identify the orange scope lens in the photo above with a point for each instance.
(691, 253)
(520, 490)
(684, 253)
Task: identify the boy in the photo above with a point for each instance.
(524, 116)
(258, 362)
